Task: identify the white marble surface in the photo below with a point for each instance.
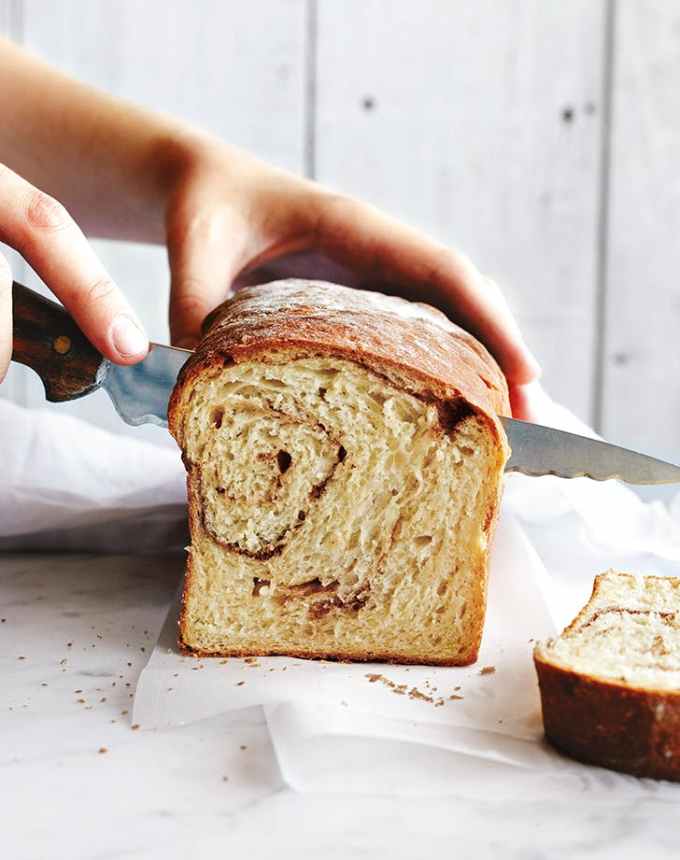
(215, 786)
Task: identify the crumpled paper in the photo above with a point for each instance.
(70, 486)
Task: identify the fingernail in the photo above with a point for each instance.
(127, 337)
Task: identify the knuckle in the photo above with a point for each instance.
(196, 227)
(43, 212)
(189, 302)
(101, 290)
(339, 206)
(331, 213)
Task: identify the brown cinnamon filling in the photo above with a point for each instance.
(667, 617)
(318, 608)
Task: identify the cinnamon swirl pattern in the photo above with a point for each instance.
(339, 507)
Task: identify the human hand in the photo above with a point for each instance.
(230, 217)
(43, 232)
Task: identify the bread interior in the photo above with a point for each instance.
(336, 514)
(629, 631)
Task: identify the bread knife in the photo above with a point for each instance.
(46, 339)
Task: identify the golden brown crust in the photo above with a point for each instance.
(383, 333)
(413, 346)
(360, 657)
(610, 724)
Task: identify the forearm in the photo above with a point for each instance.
(109, 162)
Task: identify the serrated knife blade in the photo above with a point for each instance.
(539, 450)
(47, 339)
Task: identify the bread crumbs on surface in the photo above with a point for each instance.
(454, 698)
(415, 693)
(77, 691)
(81, 701)
(123, 713)
(134, 727)
(487, 670)
(240, 683)
(102, 750)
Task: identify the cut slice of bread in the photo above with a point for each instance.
(344, 464)
(610, 684)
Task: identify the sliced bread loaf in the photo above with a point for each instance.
(610, 684)
(344, 462)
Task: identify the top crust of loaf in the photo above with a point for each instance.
(413, 344)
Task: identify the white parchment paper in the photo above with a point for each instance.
(470, 709)
(66, 485)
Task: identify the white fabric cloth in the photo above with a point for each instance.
(66, 485)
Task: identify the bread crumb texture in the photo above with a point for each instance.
(628, 632)
(338, 508)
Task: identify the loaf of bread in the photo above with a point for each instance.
(344, 460)
(610, 684)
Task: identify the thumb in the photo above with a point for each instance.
(203, 264)
(5, 316)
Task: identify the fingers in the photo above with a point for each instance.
(203, 250)
(44, 233)
(5, 316)
(521, 402)
(386, 250)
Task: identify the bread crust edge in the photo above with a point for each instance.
(607, 723)
(223, 346)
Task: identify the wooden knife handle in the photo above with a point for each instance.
(46, 339)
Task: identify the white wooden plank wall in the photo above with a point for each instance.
(236, 70)
(486, 123)
(451, 114)
(641, 367)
